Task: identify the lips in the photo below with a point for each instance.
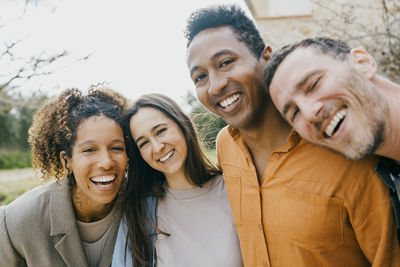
(104, 181)
(335, 123)
(167, 156)
(227, 102)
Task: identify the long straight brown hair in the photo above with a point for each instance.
(144, 181)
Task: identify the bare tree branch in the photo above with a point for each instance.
(381, 37)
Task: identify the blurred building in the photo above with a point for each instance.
(285, 21)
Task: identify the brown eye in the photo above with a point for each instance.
(199, 78)
(226, 62)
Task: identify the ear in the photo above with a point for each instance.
(65, 160)
(266, 54)
(363, 62)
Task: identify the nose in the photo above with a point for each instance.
(312, 110)
(217, 82)
(105, 160)
(157, 146)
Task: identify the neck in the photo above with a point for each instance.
(390, 146)
(86, 210)
(270, 133)
(178, 181)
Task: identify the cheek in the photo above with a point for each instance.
(303, 129)
(123, 161)
(146, 155)
(202, 96)
(79, 166)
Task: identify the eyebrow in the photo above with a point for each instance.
(216, 55)
(152, 129)
(298, 87)
(306, 77)
(94, 141)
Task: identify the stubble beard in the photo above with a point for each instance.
(364, 142)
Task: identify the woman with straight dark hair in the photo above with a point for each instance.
(177, 209)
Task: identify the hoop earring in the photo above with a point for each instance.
(122, 187)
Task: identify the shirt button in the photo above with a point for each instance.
(277, 156)
(260, 226)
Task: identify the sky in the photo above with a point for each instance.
(136, 47)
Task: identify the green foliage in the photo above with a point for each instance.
(15, 159)
(14, 125)
(207, 124)
(8, 128)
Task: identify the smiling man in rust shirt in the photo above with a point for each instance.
(294, 204)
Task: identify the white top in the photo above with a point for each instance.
(201, 226)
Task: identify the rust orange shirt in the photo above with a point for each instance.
(313, 207)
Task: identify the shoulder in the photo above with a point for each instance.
(310, 154)
(223, 135)
(31, 208)
(226, 139)
(313, 165)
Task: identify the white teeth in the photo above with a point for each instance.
(229, 100)
(335, 120)
(167, 156)
(104, 186)
(103, 179)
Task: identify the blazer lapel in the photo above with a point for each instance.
(63, 226)
(70, 249)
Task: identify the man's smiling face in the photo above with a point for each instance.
(228, 76)
(329, 102)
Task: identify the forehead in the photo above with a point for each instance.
(145, 119)
(298, 64)
(307, 58)
(294, 68)
(210, 41)
(97, 127)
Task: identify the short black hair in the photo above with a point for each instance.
(226, 15)
(337, 49)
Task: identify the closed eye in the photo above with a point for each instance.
(118, 148)
(294, 114)
(142, 144)
(88, 150)
(160, 131)
(313, 85)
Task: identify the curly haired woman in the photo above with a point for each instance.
(73, 220)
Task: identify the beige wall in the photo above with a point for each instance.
(317, 18)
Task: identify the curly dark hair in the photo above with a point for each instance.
(335, 48)
(55, 124)
(226, 15)
(145, 181)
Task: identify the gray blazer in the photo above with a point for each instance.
(39, 229)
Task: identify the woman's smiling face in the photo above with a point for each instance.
(98, 160)
(160, 141)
